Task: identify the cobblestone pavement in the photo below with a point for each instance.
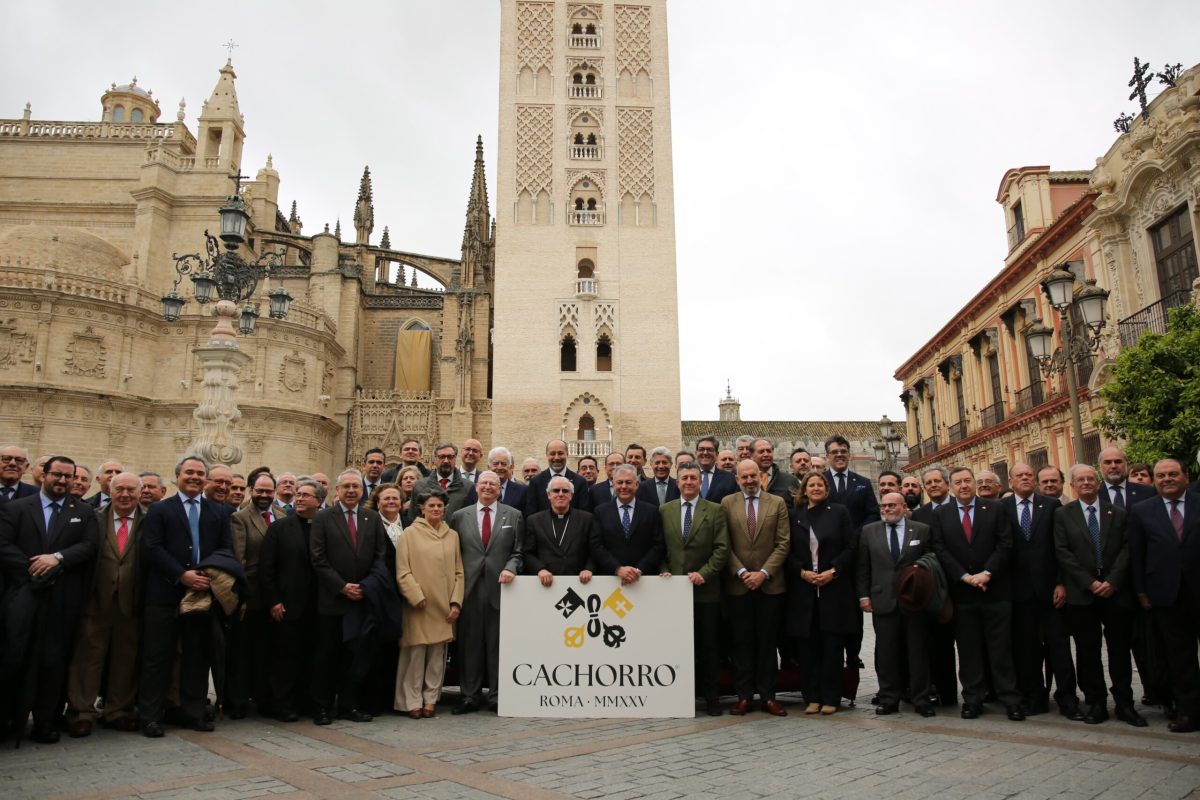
(478, 756)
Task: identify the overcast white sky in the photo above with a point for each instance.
(836, 164)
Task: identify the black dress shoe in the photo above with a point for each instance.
(1182, 724)
(874, 699)
(713, 707)
(971, 711)
(1130, 716)
(152, 730)
(1015, 713)
(354, 715)
(465, 707)
(926, 710)
(322, 717)
(884, 710)
(1036, 706)
(44, 736)
(1096, 714)
(288, 716)
(204, 726)
(1170, 710)
(1073, 712)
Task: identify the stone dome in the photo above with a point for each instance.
(60, 247)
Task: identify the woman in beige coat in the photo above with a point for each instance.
(429, 572)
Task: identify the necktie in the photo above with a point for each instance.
(266, 517)
(1094, 530)
(687, 521)
(1026, 521)
(966, 523)
(704, 476)
(8, 492)
(764, 480)
(895, 537)
(1118, 497)
(487, 526)
(445, 482)
(751, 519)
(194, 524)
(625, 521)
(662, 492)
(370, 488)
(55, 507)
(122, 536)
(287, 507)
(1177, 519)
(352, 524)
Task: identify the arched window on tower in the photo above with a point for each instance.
(590, 30)
(586, 268)
(577, 28)
(591, 204)
(566, 354)
(604, 354)
(135, 115)
(118, 113)
(587, 428)
(590, 80)
(579, 204)
(579, 138)
(577, 78)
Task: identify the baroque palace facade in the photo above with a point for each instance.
(380, 343)
(974, 393)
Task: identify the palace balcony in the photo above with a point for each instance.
(584, 41)
(586, 218)
(586, 288)
(599, 448)
(1152, 318)
(586, 152)
(584, 91)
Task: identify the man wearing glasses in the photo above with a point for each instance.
(13, 463)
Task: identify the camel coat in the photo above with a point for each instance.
(429, 567)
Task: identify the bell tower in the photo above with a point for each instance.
(586, 322)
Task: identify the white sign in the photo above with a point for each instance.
(598, 649)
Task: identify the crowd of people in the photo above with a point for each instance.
(291, 596)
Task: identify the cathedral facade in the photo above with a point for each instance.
(380, 344)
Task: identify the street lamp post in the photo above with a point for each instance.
(887, 446)
(1076, 345)
(226, 277)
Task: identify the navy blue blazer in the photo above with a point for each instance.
(76, 535)
(1134, 493)
(601, 493)
(1034, 562)
(648, 491)
(514, 494)
(645, 547)
(22, 490)
(859, 498)
(167, 544)
(535, 492)
(1161, 563)
(990, 549)
(720, 485)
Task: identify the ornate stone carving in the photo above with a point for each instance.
(15, 347)
(85, 354)
(605, 318)
(481, 406)
(535, 35)
(635, 149)
(254, 444)
(327, 380)
(293, 372)
(535, 142)
(633, 38)
(445, 405)
(595, 176)
(568, 319)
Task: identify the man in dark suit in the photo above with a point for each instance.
(1117, 488)
(627, 537)
(512, 491)
(13, 463)
(660, 487)
(535, 495)
(490, 537)
(447, 478)
(410, 456)
(856, 493)
(1039, 632)
(973, 541)
(759, 537)
(288, 587)
(49, 540)
(589, 469)
(472, 453)
(248, 670)
(177, 535)
(558, 541)
(106, 473)
(715, 484)
(110, 630)
(347, 539)
(942, 672)
(779, 482)
(602, 491)
(696, 536)
(885, 548)
(1164, 549)
(635, 454)
(374, 461)
(1093, 560)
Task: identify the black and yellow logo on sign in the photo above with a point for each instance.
(613, 635)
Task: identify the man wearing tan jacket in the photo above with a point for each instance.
(759, 535)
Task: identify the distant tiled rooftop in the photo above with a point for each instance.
(790, 430)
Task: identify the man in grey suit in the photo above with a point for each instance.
(490, 535)
(884, 549)
(459, 493)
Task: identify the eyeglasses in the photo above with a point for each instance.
(15, 459)
(837, 452)
(65, 476)
(560, 490)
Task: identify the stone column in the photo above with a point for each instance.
(217, 413)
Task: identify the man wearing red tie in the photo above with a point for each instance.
(347, 538)
(112, 619)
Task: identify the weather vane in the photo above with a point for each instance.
(229, 46)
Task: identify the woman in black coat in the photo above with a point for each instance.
(821, 603)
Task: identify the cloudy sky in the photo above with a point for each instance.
(836, 164)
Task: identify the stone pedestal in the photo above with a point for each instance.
(217, 413)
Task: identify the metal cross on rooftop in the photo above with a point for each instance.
(229, 46)
(1140, 80)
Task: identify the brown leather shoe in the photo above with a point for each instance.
(774, 709)
(124, 724)
(414, 713)
(79, 729)
(428, 713)
(740, 708)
